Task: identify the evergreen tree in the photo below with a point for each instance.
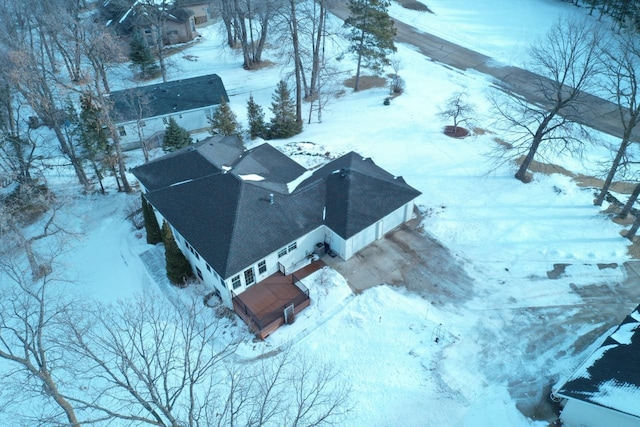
(175, 137)
(141, 55)
(372, 34)
(178, 268)
(255, 117)
(224, 121)
(94, 138)
(151, 226)
(283, 122)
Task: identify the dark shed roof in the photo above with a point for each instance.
(167, 98)
(610, 377)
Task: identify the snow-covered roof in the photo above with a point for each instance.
(610, 376)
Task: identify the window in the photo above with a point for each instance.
(208, 268)
(165, 120)
(262, 267)
(293, 246)
(199, 273)
(121, 131)
(249, 277)
(235, 282)
(197, 256)
(282, 252)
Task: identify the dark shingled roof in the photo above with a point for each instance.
(610, 377)
(231, 222)
(167, 98)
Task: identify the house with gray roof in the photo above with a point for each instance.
(240, 216)
(605, 389)
(142, 113)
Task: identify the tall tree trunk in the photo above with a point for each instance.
(68, 151)
(122, 170)
(317, 48)
(629, 205)
(297, 60)
(614, 168)
(634, 229)
(522, 171)
(357, 84)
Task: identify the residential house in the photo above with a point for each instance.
(202, 10)
(142, 113)
(242, 216)
(605, 389)
(175, 24)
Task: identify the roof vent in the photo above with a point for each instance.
(343, 172)
(270, 198)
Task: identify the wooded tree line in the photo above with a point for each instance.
(57, 59)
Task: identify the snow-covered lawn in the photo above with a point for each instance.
(384, 339)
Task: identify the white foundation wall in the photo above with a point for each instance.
(577, 413)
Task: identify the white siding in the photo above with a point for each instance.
(377, 230)
(577, 413)
(192, 120)
(336, 243)
(360, 240)
(292, 261)
(393, 220)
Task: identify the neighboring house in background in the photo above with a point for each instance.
(202, 10)
(241, 216)
(175, 24)
(605, 390)
(143, 112)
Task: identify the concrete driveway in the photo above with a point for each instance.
(406, 257)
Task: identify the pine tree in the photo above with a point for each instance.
(178, 268)
(372, 34)
(283, 122)
(154, 235)
(94, 139)
(141, 55)
(224, 121)
(255, 117)
(175, 137)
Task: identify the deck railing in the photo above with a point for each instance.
(262, 322)
(241, 307)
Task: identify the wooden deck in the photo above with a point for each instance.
(262, 305)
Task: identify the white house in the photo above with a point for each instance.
(240, 216)
(142, 113)
(604, 391)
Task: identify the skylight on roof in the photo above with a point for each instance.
(251, 177)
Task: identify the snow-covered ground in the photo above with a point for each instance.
(510, 234)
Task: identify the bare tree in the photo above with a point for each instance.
(152, 357)
(290, 389)
(566, 61)
(29, 313)
(622, 63)
(457, 108)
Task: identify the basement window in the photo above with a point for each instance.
(282, 252)
(293, 246)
